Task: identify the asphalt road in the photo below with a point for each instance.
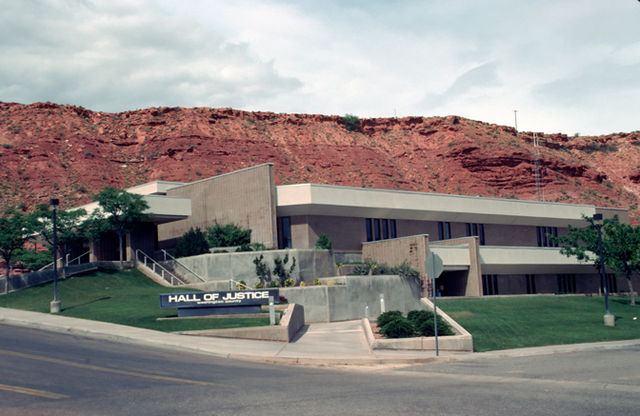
(46, 373)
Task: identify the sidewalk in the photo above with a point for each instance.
(321, 344)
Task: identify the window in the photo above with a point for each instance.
(380, 229)
(543, 234)
(531, 283)
(566, 283)
(444, 230)
(475, 230)
(490, 284)
(285, 232)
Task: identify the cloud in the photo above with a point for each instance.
(112, 56)
(478, 78)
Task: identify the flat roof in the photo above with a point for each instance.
(315, 199)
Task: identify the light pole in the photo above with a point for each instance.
(55, 306)
(609, 319)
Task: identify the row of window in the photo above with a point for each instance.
(383, 228)
(566, 283)
(543, 234)
(380, 229)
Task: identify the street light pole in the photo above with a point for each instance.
(55, 305)
(609, 319)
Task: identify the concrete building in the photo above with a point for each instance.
(489, 246)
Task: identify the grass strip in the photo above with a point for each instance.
(501, 323)
(124, 297)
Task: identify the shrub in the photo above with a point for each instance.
(386, 317)
(425, 327)
(422, 322)
(192, 243)
(288, 283)
(228, 235)
(397, 327)
(302, 284)
(324, 243)
(317, 282)
(259, 285)
(280, 268)
(351, 122)
(262, 270)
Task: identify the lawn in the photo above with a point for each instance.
(500, 323)
(124, 297)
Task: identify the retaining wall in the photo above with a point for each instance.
(310, 264)
(349, 297)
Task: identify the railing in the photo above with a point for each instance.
(233, 285)
(67, 262)
(174, 261)
(158, 269)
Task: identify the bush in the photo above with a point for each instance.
(280, 268)
(324, 243)
(317, 282)
(34, 260)
(397, 327)
(228, 235)
(417, 323)
(386, 317)
(192, 243)
(262, 271)
(351, 122)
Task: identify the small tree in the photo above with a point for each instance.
(620, 243)
(228, 235)
(324, 242)
(280, 268)
(192, 243)
(351, 122)
(16, 228)
(262, 271)
(121, 210)
(70, 228)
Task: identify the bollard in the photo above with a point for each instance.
(272, 312)
(382, 308)
(366, 311)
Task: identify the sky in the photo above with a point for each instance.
(568, 66)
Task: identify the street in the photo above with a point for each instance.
(47, 373)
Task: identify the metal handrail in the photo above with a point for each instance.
(237, 284)
(66, 261)
(163, 270)
(167, 254)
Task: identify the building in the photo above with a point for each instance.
(488, 246)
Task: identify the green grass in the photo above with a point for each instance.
(500, 323)
(124, 297)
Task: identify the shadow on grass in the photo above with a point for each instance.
(87, 303)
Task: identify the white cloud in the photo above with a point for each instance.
(554, 61)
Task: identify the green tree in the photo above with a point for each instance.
(16, 228)
(71, 228)
(192, 243)
(351, 122)
(280, 268)
(620, 246)
(228, 235)
(121, 210)
(324, 242)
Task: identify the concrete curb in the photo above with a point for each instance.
(264, 351)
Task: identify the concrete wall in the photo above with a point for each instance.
(395, 251)
(346, 233)
(310, 264)
(245, 197)
(328, 303)
(473, 283)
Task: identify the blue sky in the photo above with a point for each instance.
(570, 66)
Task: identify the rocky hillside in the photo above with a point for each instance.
(70, 152)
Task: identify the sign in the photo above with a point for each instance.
(434, 265)
(217, 303)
